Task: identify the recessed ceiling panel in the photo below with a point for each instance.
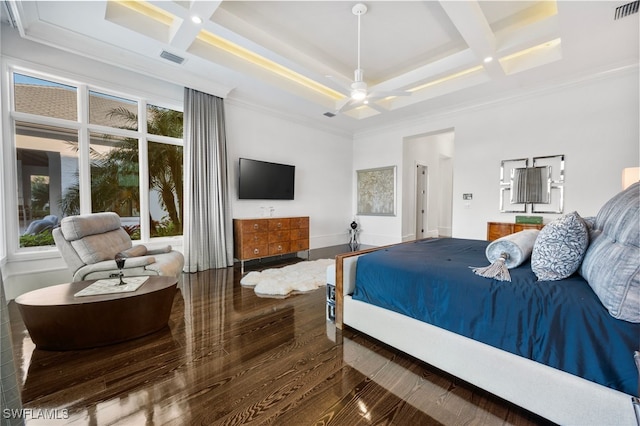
(141, 17)
(396, 36)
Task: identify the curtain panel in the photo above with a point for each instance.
(9, 388)
(208, 237)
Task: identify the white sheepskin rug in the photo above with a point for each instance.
(300, 277)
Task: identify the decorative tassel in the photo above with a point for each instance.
(497, 269)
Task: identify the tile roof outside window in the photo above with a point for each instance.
(58, 102)
(48, 101)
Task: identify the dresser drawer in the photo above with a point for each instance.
(299, 222)
(279, 248)
(254, 225)
(496, 230)
(300, 245)
(255, 251)
(255, 239)
(522, 226)
(278, 236)
(279, 224)
(299, 234)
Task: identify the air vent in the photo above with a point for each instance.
(329, 114)
(627, 9)
(171, 57)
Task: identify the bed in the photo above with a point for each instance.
(555, 347)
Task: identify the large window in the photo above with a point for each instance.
(81, 150)
(47, 166)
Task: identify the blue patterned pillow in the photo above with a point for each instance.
(560, 248)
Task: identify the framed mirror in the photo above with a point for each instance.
(555, 204)
(506, 203)
(541, 185)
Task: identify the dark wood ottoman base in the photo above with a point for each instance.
(56, 320)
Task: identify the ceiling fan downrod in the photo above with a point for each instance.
(359, 87)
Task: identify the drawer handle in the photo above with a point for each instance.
(256, 251)
(255, 226)
(279, 225)
(255, 238)
(279, 248)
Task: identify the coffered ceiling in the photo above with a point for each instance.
(300, 56)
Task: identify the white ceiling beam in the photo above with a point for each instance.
(472, 25)
(186, 31)
(448, 65)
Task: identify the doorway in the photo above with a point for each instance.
(427, 188)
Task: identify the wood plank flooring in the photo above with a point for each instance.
(229, 357)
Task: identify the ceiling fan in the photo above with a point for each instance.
(358, 91)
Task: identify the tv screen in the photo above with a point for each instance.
(261, 180)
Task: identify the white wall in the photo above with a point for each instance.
(593, 122)
(323, 170)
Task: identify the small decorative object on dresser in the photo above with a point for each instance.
(259, 238)
(497, 230)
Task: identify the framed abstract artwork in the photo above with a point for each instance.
(377, 191)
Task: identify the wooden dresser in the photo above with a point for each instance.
(258, 238)
(496, 230)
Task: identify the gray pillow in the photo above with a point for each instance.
(560, 248)
(612, 263)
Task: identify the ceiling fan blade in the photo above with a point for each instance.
(377, 107)
(387, 93)
(344, 105)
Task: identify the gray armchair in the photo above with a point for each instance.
(89, 243)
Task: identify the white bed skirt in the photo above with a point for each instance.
(551, 393)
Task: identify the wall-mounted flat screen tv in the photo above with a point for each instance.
(261, 180)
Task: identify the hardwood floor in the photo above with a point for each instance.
(229, 357)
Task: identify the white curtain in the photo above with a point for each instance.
(208, 238)
(9, 389)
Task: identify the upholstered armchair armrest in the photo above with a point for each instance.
(160, 250)
(110, 265)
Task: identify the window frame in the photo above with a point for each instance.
(9, 215)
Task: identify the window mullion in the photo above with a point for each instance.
(84, 152)
(143, 161)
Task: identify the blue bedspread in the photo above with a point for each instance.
(558, 323)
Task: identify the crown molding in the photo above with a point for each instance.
(286, 116)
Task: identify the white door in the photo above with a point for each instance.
(422, 177)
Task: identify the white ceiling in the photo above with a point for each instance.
(405, 44)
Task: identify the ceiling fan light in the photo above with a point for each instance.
(358, 94)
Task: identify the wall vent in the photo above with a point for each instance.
(171, 57)
(329, 114)
(627, 9)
